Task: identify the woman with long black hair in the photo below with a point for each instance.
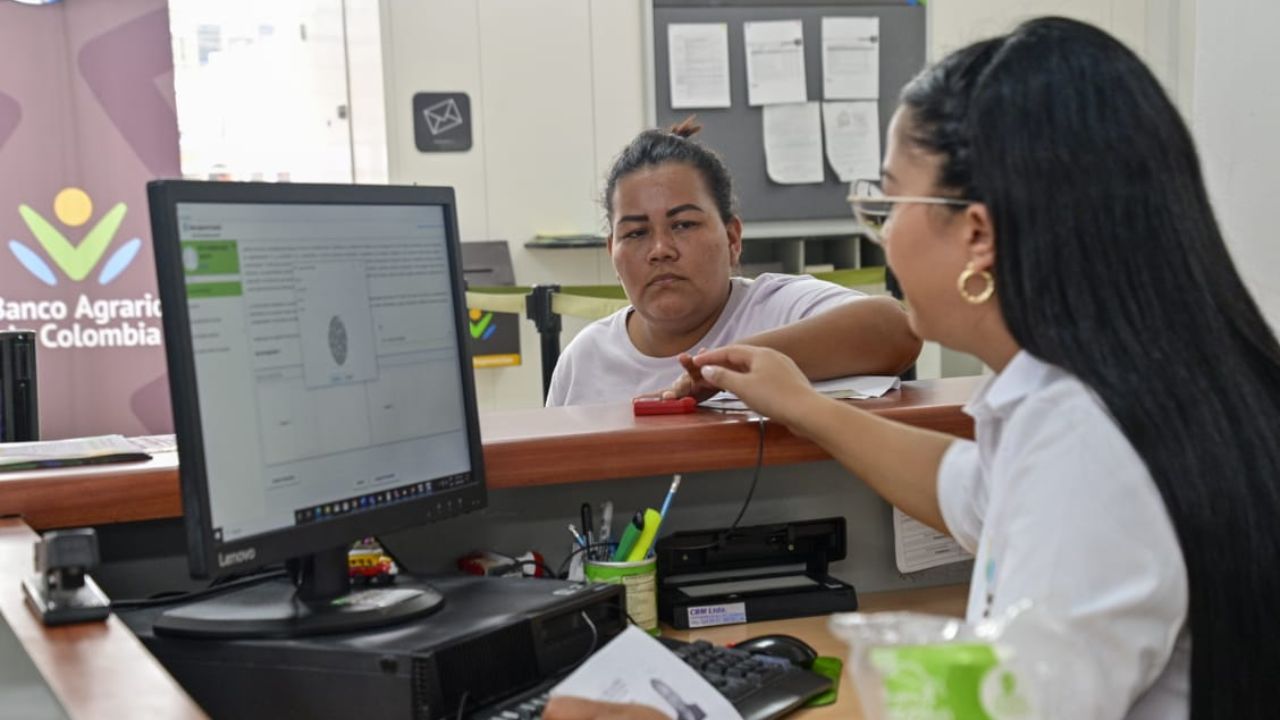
(1043, 208)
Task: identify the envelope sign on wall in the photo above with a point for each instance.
(442, 122)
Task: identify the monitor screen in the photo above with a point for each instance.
(330, 391)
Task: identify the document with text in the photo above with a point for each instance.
(775, 62)
(917, 546)
(850, 58)
(793, 143)
(698, 57)
(635, 668)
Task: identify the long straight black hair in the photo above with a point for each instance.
(1109, 263)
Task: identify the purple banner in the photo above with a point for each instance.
(86, 119)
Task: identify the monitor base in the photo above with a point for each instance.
(272, 609)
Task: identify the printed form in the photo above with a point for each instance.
(850, 58)
(917, 546)
(635, 668)
(775, 62)
(698, 57)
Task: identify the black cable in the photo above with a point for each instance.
(751, 491)
(564, 565)
(462, 703)
(213, 589)
(595, 642)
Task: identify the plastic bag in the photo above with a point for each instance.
(1022, 665)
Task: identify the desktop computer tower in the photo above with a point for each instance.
(19, 408)
(493, 638)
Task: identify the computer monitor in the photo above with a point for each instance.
(322, 391)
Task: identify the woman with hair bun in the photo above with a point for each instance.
(675, 239)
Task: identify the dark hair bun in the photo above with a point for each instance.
(686, 128)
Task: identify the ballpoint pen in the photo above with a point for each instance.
(606, 522)
(577, 536)
(671, 493)
(587, 530)
(666, 505)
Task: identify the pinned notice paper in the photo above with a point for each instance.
(635, 668)
(852, 133)
(917, 546)
(698, 54)
(793, 143)
(775, 62)
(850, 58)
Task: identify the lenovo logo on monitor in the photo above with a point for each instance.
(236, 558)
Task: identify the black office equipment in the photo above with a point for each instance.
(61, 591)
(760, 688)
(19, 405)
(322, 391)
(763, 572)
(788, 647)
(736, 132)
(495, 638)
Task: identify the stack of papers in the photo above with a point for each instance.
(68, 453)
(858, 387)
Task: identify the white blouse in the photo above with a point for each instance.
(1059, 508)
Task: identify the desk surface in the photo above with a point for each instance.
(96, 670)
(101, 671)
(521, 448)
(945, 600)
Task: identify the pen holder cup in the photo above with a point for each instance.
(641, 581)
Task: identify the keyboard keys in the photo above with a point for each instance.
(759, 687)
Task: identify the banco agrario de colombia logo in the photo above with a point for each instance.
(94, 321)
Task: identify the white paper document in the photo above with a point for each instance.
(635, 668)
(698, 57)
(775, 62)
(856, 387)
(850, 58)
(70, 452)
(793, 143)
(917, 546)
(156, 443)
(852, 134)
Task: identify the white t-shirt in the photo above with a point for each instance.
(1059, 508)
(602, 365)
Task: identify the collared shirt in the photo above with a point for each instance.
(1059, 508)
(602, 365)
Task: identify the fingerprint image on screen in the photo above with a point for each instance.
(338, 340)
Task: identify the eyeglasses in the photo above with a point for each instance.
(872, 207)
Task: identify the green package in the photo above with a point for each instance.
(960, 681)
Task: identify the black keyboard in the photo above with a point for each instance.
(760, 687)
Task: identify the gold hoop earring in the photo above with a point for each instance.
(963, 281)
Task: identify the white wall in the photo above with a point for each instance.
(1236, 121)
(556, 89)
(1159, 31)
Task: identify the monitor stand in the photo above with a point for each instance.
(317, 598)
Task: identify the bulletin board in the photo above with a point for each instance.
(736, 132)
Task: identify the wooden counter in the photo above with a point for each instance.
(102, 671)
(521, 448)
(96, 670)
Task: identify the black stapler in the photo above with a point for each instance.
(61, 591)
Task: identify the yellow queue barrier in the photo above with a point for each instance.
(546, 304)
(593, 302)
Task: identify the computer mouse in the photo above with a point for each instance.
(781, 646)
